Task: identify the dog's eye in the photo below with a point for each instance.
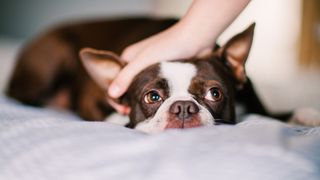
(152, 97)
(214, 94)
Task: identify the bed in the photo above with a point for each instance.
(42, 143)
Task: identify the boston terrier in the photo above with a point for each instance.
(57, 68)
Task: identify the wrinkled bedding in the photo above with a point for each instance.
(43, 144)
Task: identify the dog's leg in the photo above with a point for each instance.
(40, 69)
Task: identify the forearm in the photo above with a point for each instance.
(207, 19)
(194, 35)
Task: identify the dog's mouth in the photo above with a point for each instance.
(176, 123)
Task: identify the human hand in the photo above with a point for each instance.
(194, 34)
(174, 43)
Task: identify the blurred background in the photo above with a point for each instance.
(284, 62)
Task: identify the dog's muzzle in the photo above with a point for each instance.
(183, 114)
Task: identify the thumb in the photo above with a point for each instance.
(123, 80)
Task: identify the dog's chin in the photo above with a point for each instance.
(175, 123)
(163, 120)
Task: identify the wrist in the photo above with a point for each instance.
(193, 37)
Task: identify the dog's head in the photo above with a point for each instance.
(179, 94)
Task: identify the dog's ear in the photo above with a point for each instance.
(103, 67)
(236, 52)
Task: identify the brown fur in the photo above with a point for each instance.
(49, 72)
(51, 62)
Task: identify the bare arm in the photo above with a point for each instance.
(194, 34)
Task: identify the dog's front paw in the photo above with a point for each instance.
(306, 117)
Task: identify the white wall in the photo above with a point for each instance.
(273, 62)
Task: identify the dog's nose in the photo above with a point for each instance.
(184, 109)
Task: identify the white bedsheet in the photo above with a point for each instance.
(45, 144)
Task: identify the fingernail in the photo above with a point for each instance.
(114, 91)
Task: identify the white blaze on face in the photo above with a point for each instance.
(179, 77)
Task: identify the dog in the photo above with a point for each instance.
(63, 68)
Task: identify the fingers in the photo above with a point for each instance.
(121, 109)
(131, 52)
(121, 83)
(146, 52)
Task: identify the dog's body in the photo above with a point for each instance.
(177, 94)
(51, 62)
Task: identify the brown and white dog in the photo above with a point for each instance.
(175, 94)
